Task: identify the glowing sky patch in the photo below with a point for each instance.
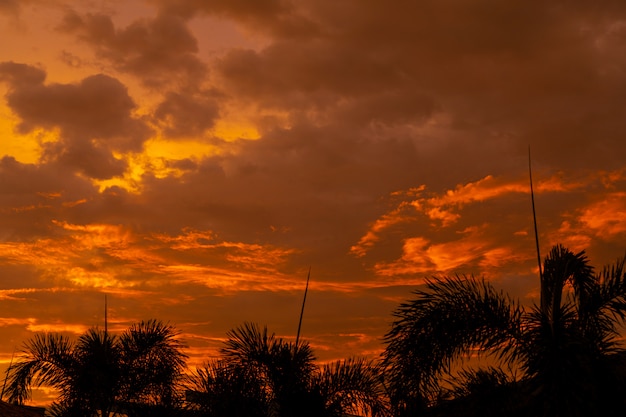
(26, 148)
(606, 217)
(159, 151)
(230, 130)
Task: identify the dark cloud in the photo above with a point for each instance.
(308, 188)
(292, 68)
(24, 181)
(33, 195)
(21, 75)
(9, 6)
(389, 108)
(94, 117)
(187, 114)
(158, 51)
(496, 76)
(97, 107)
(263, 9)
(275, 17)
(88, 157)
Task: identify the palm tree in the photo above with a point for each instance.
(285, 380)
(486, 392)
(222, 389)
(282, 367)
(100, 373)
(566, 349)
(350, 386)
(153, 364)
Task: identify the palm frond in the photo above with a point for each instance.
(248, 343)
(221, 389)
(153, 343)
(563, 266)
(46, 360)
(444, 322)
(566, 347)
(610, 302)
(479, 381)
(546, 344)
(350, 386)
(152, 362)
(613, 280)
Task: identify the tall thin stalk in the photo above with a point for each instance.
(306, 290)
(532, 200)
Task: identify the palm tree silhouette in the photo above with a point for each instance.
(221, 389)
(100, 374)
(285, 381)
(566, 349)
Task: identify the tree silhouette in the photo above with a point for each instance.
(222, 389)
(270, 376)
(139, 371)
(566, 349)
(153, 363)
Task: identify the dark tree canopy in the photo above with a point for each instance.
(261, 375)
(101, 373)
(566, 349)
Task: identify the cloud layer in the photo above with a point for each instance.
(192, 159)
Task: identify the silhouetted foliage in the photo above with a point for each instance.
(483, 393)
(139, 371)
(566, 348)
(223, 389)
(261, 375)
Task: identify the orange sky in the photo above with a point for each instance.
(192, 159)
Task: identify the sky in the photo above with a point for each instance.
(192, 159)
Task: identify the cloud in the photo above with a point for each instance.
(186, 114)
(606, 218)
(447, 232)
(443, 210)
(161, 53)
(11, 7)
(21, 75)
(94, 118)
(389, 143)
(98, 107)
(89, 158)
(158, 51)
(396, 216)
(113, 257)
(76, 329)
(276, 17)
(484, 70)
(600, 220)
(34, 194)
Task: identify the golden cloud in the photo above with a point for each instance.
(606, 217)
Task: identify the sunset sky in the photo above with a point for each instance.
(192, 159)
